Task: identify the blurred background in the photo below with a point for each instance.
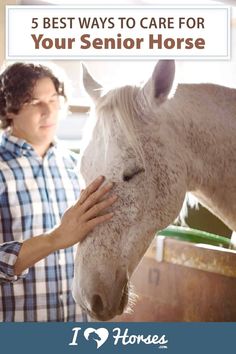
(113, 73)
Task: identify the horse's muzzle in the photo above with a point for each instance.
(103, 308)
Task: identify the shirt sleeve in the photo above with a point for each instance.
(9, 252)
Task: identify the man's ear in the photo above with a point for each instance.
(11, 116)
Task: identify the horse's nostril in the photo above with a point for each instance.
(97, 305)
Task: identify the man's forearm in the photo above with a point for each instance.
(80, 219)
(33, 250)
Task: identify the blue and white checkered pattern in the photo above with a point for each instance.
(34, 193)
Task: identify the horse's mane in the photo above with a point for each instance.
(122, 104)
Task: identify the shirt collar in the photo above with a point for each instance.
(19, 146)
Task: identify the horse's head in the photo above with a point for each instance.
(133, 145)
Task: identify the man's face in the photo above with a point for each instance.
(37, 120)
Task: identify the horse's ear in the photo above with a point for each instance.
(92, 87)
(159, 85)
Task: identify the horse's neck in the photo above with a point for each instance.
(207, 125)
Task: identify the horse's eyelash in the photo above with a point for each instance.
(127, 177)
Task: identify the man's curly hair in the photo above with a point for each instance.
(16, 87)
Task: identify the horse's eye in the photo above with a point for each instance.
(128, 176)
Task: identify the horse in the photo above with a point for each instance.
(156, 143)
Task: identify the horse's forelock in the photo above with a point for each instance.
(122, 104)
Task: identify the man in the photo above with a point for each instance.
(38, 182)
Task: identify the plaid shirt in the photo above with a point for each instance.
(34, 193)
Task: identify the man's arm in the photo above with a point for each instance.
(76, 223)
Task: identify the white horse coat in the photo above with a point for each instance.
(155, 149)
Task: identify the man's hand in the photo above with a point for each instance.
(88, 212)
(76, 223)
